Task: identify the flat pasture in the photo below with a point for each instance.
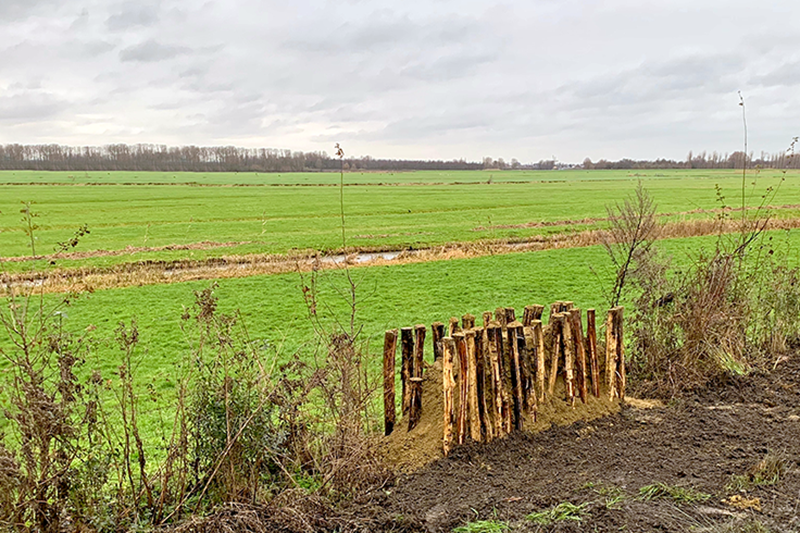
(157, 222)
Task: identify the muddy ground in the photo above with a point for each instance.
(697, 443)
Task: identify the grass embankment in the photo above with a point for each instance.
(140, 220)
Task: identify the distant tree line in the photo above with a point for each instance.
(703, 160)
(158, 157)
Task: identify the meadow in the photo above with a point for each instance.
(137, 221)
(282, 219)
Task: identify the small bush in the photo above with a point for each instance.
(672, 492)
(562, 511)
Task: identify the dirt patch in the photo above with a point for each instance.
(408, 451)
(697, 444)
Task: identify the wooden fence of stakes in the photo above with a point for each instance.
(495, 376)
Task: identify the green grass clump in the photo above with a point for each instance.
(766, 472)
(562, 511)
(483, 526)
(672, 492)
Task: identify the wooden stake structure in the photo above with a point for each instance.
(531, 397)
(487, 318)
(463, 392)
(504, 350)
(556, 323)
(472, 387)
(467, 322)
(437, 334)
(415, 402)
(531, 313)
(511, 315)
(591, 348)
(448, 384)
(581, 377)
(453, 326)
(569, 360)
(611, 356)
(538, 339)
(621, 377)
(481, 371)
(407, 351)
(515, 374)
(500, 316)
(492, 332)
(389, 362)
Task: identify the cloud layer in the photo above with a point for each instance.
(441, 79)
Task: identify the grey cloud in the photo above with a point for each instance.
(786, 75)
(29, 107)
(151, 51)
(131, 15)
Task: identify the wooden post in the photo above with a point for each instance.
(453, 326)
(621, 383)
(511, 315)
(463, 391)
(481, 375)
(504, 349)
(492, 332)
(487, 318)
(580, 353)
(591, 347)
(415, 405)
(556, 321)
(529, 341)
(472, 387)
(611, 356)
(569, 360)
(516, 374)
(500, 316)
(389, 362)
(437, 334)
(448, 384)
(532, 312)
(407, 354)
(538, 338)
(467, 322)
(555, 308)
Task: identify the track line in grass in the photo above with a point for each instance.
(166, 272)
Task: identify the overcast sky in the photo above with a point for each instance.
(425, 79)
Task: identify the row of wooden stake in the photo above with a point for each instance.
(495, 376)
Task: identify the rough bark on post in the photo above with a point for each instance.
(611, 356)
(492, 332)
(415, 405)
(467, 322)
(389, 363)
(504, 349)
(407, 354)
(500, 316)
(472, 387)
(453, 326)
(538, 338)
(487, 318)
(448, 384)
(463, 390)
(569, 360)
(437, 334)
(531, 403)
(567, 306)
(556, 322)
(580, 353)
(511, 315)
(555, 308)
(532, 312)
(518, 402)
(591, 347)
(481, 376)
(621, 377)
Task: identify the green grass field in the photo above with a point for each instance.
(282, 219)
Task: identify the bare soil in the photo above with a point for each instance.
(696, 443)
